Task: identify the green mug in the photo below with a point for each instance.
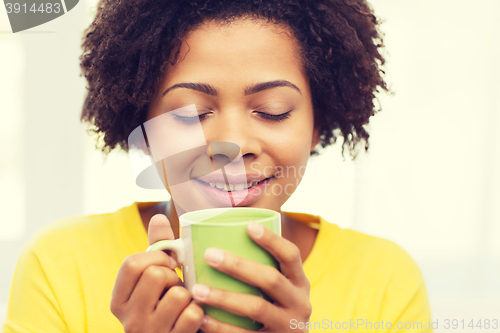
(223, 228)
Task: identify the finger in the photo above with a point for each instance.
(190, 319)
(131, 270)
(159, 229)
(245, 305)
(265, 277)
(153, 281)
(284, 251)
(175, 300)
(211, 325)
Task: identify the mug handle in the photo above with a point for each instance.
(176, 245)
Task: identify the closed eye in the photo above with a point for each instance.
(275, 117)
(190, 120)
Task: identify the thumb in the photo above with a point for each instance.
(159, 229)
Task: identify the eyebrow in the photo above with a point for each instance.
(268, 85)
(202, 87)
(210, 90)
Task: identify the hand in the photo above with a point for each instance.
(289, 289)
(148, 295)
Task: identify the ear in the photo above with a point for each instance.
(316, 138)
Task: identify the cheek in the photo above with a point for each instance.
(296, 138)
(290, 159)
(293, 162)
(291, 152)
(168, 137)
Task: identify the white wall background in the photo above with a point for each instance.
(430, 182)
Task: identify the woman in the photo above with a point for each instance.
(276, 78)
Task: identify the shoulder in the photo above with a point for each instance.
(356, 275)
(90, 237)
(69, 267)
(390, 275)
(367, 248)
(376, 272)
(68, 232)
(81, 249)
(375, 247)
(354, 254)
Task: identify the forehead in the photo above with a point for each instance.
(246, 49)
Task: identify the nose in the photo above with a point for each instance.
(231, 133)
(222, 153)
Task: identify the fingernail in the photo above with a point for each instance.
(255, 229)
(214, 256)
(205, 319)
(200, 291)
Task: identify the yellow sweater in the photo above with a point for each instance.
(65, 275)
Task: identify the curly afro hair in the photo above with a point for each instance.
(127, 47)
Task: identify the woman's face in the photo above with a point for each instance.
(245, 83)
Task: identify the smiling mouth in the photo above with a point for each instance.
(223, 187)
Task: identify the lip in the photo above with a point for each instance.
(240, 198)
(219, 177)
